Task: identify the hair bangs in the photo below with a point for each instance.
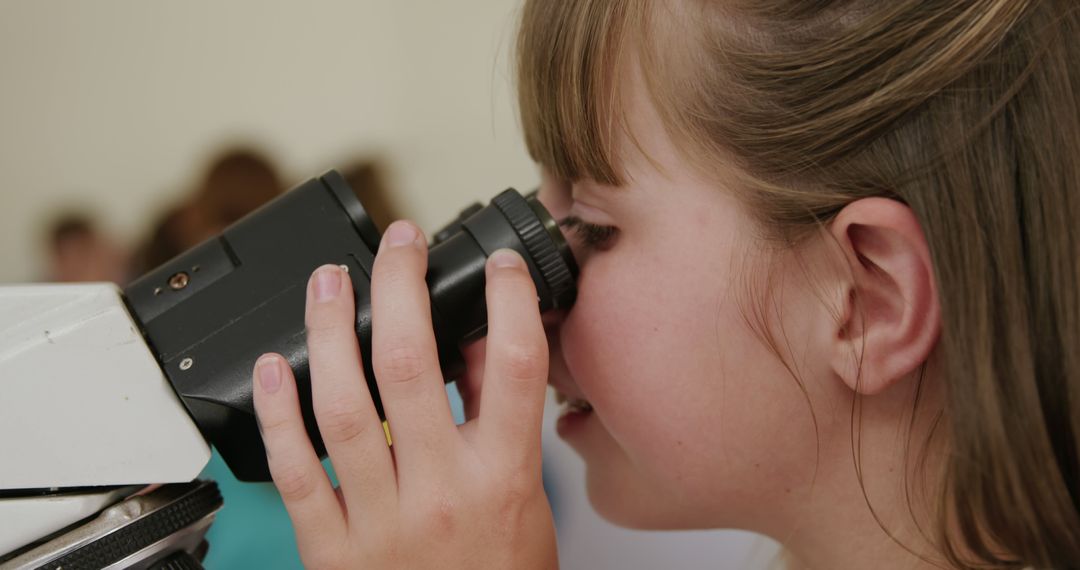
(568, 56)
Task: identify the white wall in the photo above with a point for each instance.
(119, 104)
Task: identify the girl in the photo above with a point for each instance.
(828, 293)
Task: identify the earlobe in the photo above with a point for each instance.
(891, 318)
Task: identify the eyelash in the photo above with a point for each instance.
(592, 236)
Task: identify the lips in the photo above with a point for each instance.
(574, 415)
(572, 404)
(573, 409)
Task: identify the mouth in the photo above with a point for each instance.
(572, 406)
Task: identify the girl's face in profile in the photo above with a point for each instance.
(694, 421)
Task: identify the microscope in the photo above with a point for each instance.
(111, 398)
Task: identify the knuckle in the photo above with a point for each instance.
(521, 473)
(395, 281)
(275, 426)
(439, 520)
(320, 341)
(324, 322)
(525, 362)
(513, 282)
(387, 544)
(381, 553)
(401, 365)
(341, 422)
(293, 482)
(515, 500)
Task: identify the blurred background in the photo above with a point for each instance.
(132, 130)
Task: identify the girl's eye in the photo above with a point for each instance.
(592, 236)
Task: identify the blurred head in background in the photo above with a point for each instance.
(79, 251)
(236, 183)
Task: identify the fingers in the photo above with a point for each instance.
(516, 367)
(344, 410)
(404, 355)
(305, 489)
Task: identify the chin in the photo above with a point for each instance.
(625, 502)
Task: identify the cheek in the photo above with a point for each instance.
(698, 406)
(644, 343)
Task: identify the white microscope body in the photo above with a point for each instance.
(86, 415)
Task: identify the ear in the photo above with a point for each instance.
(891, 318)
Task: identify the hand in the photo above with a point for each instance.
(443, 496)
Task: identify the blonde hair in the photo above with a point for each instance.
(968, 111)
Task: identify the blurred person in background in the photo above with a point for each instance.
(236, 183)
(79, 251)
(179, 228)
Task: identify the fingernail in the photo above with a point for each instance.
(399, 233)
(506, 258)
(269, 373)
(327, 283)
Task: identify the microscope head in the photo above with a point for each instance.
(103, 391)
